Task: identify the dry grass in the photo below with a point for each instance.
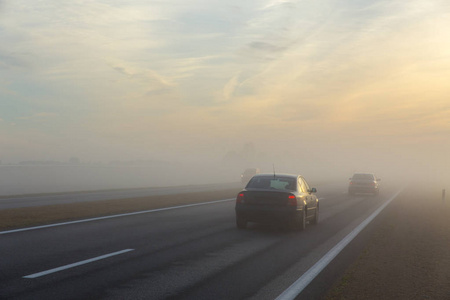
(32, 216)
(407, 256)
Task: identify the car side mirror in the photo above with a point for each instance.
(313, 190)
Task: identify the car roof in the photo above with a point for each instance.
(276, 175)
(363, 176)
(363, 173)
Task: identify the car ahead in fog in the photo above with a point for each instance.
(248, 174)
(282, 198)
(363, 183)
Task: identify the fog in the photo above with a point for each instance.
(130, 94)
(319, 167)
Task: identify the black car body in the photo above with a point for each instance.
(364, 183)
(280, 198)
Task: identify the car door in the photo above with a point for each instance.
(302, 191)
(311, 201)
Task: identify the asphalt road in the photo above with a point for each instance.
(191, 252)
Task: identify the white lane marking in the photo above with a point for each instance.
(115, 216)
(43, 273)
(297, 287)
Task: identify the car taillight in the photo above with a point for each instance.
(374, 184)
(292, 200)
(351, 182)
(240, 198)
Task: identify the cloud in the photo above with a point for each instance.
(174, 74)
(263, 46)
(277, 3)
(40, 116)
(10, 61)
(230, 87)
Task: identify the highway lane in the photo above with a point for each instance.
(7, 202)
(186, 253)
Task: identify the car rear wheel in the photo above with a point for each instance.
(241, 222)
(316, 216)
(298, 222)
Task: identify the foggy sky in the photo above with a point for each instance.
(329, 84)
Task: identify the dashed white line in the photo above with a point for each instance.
(114, 216)
(43, 273)
(300, 284)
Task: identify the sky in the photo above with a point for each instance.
(334, 84)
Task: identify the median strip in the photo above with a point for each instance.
(43, 273)
(114, 216)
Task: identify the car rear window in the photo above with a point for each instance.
(272, 183)
(363, 176)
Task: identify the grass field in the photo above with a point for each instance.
(33, 216)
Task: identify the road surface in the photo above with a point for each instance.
(192, 252)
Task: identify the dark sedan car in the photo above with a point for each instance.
(280, 198)
(364, 183)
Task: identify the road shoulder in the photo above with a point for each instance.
(406, 256)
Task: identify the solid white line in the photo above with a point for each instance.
(43, 273)
(297, 287)
(114, 216)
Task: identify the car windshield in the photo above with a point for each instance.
(363, 177)
(272, 183)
